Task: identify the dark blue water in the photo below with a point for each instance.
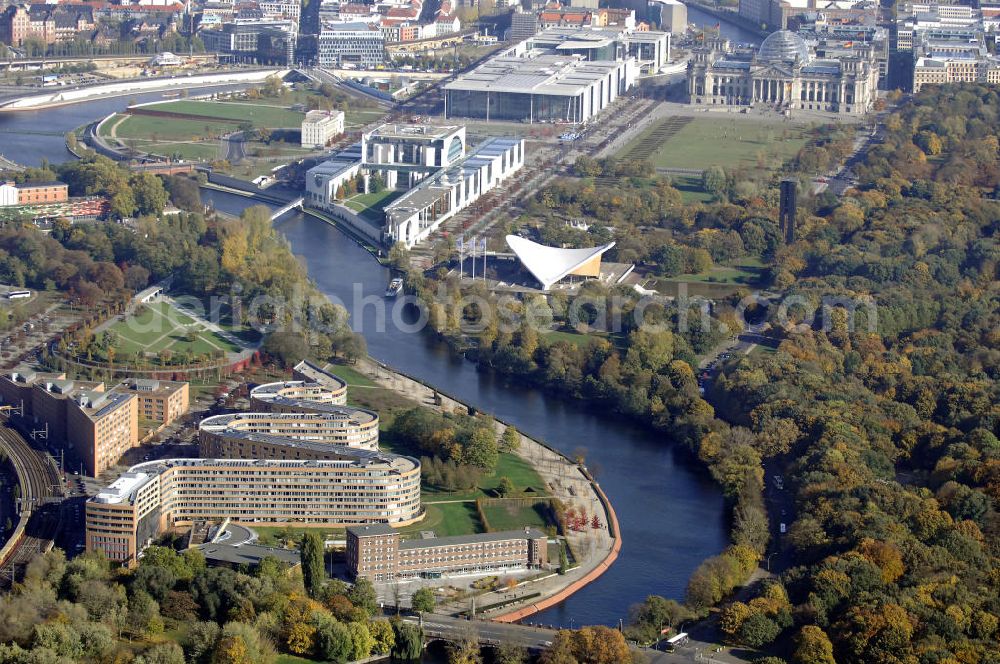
(671, 514)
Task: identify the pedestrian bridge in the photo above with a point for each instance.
(294, 205)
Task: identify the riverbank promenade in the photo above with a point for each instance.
(595, 549)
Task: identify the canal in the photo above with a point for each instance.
(672, 515)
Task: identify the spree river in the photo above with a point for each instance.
(672, 515)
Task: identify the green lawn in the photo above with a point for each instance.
(261, 115)
(517, 469)
(574, 338)
(159, 326)
(513, 516)
(356, 119)
(725, 141)
(351, 375)
(691, 189)
(168, 129)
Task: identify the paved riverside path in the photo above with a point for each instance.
(565, 480)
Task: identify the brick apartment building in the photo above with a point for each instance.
(376, 552)
(42, 192)
(159, 400)
(93, 425)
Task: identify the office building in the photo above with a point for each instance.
(775, 14)
(955, 69)
(91, 425)
(320, 434)
(360, 45)
(649, 49)
(784, 73)
(523, 24)
(161, 401)
(8, 194)
(319, 127)
(253, 41)
(671, 15)
(358, 488)
(429, 164)
(377, 552)
(541, 88)
(309, 384)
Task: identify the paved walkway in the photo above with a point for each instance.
(564, 479)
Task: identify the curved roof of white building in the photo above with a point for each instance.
(550, 264)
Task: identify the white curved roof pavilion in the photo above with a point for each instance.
(550, 264)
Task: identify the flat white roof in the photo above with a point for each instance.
(550, 264)
(541, 75)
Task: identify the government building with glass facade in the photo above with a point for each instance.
(783, 74)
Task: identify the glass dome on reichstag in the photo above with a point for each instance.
(783, 46)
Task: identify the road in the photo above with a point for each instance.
(447, 627)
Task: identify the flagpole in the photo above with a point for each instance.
(461, 257)
(484, 258)
(474, 242)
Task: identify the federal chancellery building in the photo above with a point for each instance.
(784, 73)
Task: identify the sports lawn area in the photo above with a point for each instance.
(159, 326)
(728, 141)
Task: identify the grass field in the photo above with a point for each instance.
(372, 205)
(149, 128)
(160, 327)
(724, 141)
(517, 469)
(513, 516)
(261, 115)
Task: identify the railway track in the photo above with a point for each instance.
(41, 495)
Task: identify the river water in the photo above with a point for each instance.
(672, 515)
(731, 31)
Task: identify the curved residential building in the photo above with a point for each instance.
(310, 384)
(320, 434)
(358, 487)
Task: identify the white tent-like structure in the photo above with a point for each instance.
(550, 264)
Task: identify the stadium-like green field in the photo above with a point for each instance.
(159, 326)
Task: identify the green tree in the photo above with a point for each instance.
(313, 570)
(506, 487)
(481, 449)
(362, 594)
(713, 179)
(409, 641)
(423, 600)
(510, 441)
(813, 646)
(383, 635)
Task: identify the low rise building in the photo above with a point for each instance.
(159, 400)
(359, 488)
(31, 193)
(943, 69)
(319, 127)
(377, 552)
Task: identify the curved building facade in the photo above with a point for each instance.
(309, 384)
(358, 488)
(315, 434)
